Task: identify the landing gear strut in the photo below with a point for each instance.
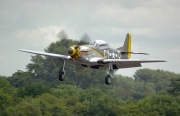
(62, 72)
(110, 75)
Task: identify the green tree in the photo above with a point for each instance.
(158, 105)
(149, 82)
(123, 87)
(174, 87)
(21, 78)
(32, 91)
(51, 105)
(7, 95)
(24, 108)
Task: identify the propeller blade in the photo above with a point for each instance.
(84, 39)
(62, 35)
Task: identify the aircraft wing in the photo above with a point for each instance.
(64, 57)
(124, 63)
(129, 61)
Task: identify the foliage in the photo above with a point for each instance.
(7, 97)
(20, 78)
(123, 85)
(68, 100)
(32, 91)
(165, 105)
(174, 88)
(149, 82)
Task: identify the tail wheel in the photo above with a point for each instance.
(108, 79)
(61, 75)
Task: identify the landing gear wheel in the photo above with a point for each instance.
(61, 75)
(108, 79)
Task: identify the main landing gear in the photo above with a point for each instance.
(62, 72)
(110, 75)
(107, 78)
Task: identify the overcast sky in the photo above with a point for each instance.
(33, 25)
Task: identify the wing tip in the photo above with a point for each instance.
(161, 60)
(21, 50)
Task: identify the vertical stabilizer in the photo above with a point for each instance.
(126, 47)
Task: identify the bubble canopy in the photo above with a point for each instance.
(99, 43)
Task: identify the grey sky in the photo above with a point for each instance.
(33, 24)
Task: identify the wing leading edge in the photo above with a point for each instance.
(64, 57)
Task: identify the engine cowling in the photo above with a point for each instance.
(74, 52)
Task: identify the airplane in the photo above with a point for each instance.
(99, 55)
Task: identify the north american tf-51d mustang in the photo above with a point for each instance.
(99, 55)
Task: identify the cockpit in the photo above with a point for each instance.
(99, 44)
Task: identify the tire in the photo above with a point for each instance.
(62, 75)
(108, 79)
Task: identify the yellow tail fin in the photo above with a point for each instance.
(126, 48)
(129, 44)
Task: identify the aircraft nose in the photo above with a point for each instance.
(71, 51)
(74, 52)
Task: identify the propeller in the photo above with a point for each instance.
(73, 51)
(85, 39)
(63, 37)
